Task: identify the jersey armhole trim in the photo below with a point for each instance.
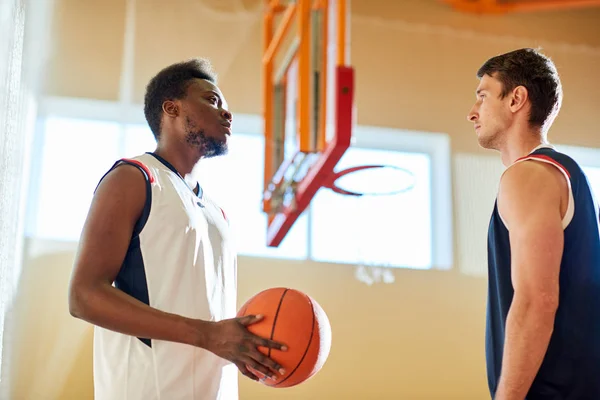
(140, 165)
(570, 212)
(149, 179)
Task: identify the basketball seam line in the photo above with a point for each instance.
(275, 318)
(312, 331)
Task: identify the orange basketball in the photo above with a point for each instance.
(296, 320)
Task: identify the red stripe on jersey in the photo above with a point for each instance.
(548, 159)
(224, 216)
(142, 166)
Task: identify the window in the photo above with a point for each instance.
(76, 153)
(79, 140)
(411, 229)
(138, 140)
(392, 230)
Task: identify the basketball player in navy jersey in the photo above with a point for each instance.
(543, 315)
(155, 270)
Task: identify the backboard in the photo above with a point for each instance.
(308, 90)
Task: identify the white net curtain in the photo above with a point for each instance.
(23, 26)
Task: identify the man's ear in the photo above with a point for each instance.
(170, 108)
(519, 98)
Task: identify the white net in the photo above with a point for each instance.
(371, 249)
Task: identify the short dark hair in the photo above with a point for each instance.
(171, 83)
(537, 73)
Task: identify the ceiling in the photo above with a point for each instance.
(511, 6)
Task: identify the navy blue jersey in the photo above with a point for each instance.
(571, 367)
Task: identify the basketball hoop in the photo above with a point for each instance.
(386, 180)
(383, 180)
(377, 182)
(367, 187)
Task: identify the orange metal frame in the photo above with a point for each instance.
(272, 41)
(496, 7)
(321, 173)
(281, 222)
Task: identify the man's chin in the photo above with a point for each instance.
(215, 149)
(485, 142)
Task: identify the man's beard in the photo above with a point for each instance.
(208, 146)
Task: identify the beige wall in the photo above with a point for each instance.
(418, 338)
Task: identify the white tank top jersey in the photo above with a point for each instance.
(181, 260)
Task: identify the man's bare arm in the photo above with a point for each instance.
(530, 203)
(116, 206)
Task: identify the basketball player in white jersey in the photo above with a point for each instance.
(155, 271)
